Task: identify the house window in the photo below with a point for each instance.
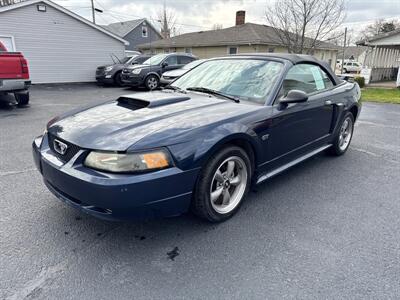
(188, 50)
(232, 50)
(144, 31)
(271, 50)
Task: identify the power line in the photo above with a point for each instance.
(116, 13)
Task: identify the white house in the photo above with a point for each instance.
(383, 57)
(59, 45)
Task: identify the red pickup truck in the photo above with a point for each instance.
(14, 75)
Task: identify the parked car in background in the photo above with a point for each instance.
(352, 67)
(149, 73)
(201, 142)
(111, 74)
(169, 76)
(14, 75)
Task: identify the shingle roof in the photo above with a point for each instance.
(248, 33)
(123, 28)
(376, 37)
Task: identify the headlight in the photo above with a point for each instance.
(108, 69)
(128, 162)
(136, 71)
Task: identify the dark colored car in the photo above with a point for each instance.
(200, 143)
(170, 76)
(111, 74)
(149, 73)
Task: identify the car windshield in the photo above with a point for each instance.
(126, 59)
(245, 79)
(193, 64)
(155, 60)
(140, 59)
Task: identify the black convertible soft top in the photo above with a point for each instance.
(296, 59)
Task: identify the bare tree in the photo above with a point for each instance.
(378, 27)
(301, 25)
(168, 20)
(9, 2)
(217, 26)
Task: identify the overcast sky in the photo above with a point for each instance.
(196, 15)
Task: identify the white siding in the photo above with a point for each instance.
(58, 48)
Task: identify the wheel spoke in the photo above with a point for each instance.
(230, 169)
(227, 197)
(235, 181)
(216, 194)
(219, 177)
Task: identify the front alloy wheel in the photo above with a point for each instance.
(228, 185)
(222, 185)
(152, 82)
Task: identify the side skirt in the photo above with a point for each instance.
(291, 164)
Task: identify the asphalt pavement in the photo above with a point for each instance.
(326, 229)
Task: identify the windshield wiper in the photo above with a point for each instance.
(174, 88)
(212, 92)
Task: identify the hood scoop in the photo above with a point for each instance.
(150, 99)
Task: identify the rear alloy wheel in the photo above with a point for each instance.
(222, 185)
(343, 137)
(152, 82)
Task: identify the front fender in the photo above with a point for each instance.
(152, 73)
(194, 153)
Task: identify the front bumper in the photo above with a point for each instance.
(166, 81)
(105, 78)
(114, 196)
(13, 85)
(132, 79)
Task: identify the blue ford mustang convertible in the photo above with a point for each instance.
(200, 143)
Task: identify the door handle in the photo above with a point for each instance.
(328, 102)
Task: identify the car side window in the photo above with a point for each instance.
(183, 60)
(307, 78)
(172, 60)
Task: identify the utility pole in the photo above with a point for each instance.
(344, 48)
(93, 12)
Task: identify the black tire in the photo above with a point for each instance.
(201, 202)
(118, 79)
(152, 82)
(22, 98)
(345, 70)
(336, 149)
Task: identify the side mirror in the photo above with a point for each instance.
(294, 96)
(164, 64)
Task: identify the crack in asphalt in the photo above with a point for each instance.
(377, 124)
(374, 155)
(48, 274)
(7, 173)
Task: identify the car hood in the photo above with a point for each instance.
(175, 73)
(140, 67)
(119, 124)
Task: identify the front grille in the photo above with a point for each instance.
(71, 150)
(100, 71)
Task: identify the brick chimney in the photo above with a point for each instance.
(240, 17)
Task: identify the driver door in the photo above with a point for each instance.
(300, 127)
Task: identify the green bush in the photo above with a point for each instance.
(360, 80)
